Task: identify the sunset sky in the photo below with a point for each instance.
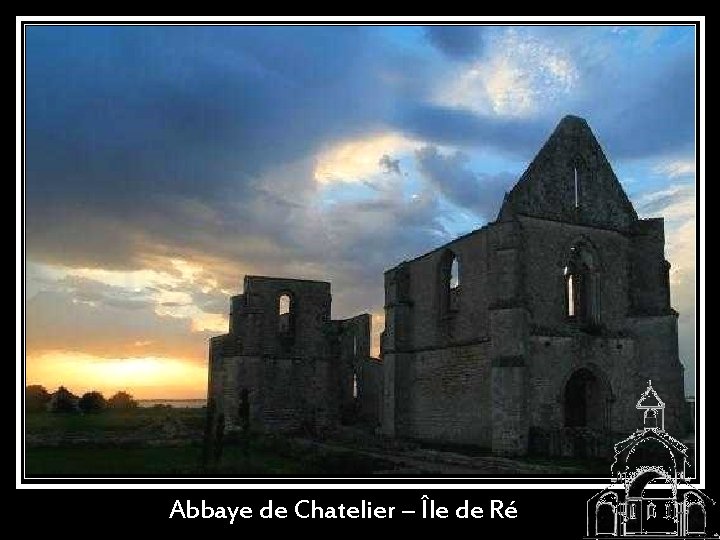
(165, 163)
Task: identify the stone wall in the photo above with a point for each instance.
(370, 392)
(283, 394)
(293, 372)
(494, 370)
(547, 188)
(428, 325)
(546, 251)
(446, 396)
(255, 316)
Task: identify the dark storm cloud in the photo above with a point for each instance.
(645, 113)
(479, 192)
(170, 141)
(455, 126)
(119, 116)
(157, 138)
(460, 42)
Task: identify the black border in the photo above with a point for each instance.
(415, 479)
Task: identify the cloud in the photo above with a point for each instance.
(677, 168)
(389, 165)
(521, 74)
(175, 160)
(54, 322)
(677, 205)
(482, 193)
(356, 159)
(457, 42)
(639, 101)
(163, 293)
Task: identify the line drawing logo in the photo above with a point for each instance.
(653, 498)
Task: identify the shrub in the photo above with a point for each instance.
(63, 401)
(122, 400)
(92, 402)
(36, 398)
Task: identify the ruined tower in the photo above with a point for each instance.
(285, 366)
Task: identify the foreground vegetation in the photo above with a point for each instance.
(112, 420)
(261, 457)
(108, 444)
(164, 441)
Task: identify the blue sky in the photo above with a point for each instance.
(164, 163)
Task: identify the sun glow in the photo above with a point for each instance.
(144, 377)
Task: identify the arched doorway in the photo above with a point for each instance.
(585, 401)
(606, 515)
(695, 518)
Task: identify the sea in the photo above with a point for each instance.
(177, 403)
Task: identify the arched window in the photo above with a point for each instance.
(582, 286)
(577, 190)
(449, 286)
(570, 292)
(454, 274)
(285, 314)
(577, 173)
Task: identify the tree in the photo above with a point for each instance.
(36, 398)
(122, 400)
(63, 401)
(92, 402)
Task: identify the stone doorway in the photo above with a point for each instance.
(585, 401)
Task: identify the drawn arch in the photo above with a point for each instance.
(606, 514)
(695, 516)
(650, 454)
(646, 476)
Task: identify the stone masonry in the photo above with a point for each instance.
(296, 371)
(533, 334)
(536, 332)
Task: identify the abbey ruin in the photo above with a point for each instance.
(535, 333)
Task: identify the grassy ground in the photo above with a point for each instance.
(260, 458)
(102, 456)
(113, 420)
(138, 442)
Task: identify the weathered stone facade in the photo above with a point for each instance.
(296, 371)
(533, 334)
(560, 315)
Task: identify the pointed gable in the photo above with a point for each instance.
(571, 180)
(650, 400)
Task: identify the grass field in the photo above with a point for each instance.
(261, 458)
(168, 442)
(102, 456)
(112, 420)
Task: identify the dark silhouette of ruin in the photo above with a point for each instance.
(534, 333)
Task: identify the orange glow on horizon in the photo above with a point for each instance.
(143, 377)
(138, 369)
